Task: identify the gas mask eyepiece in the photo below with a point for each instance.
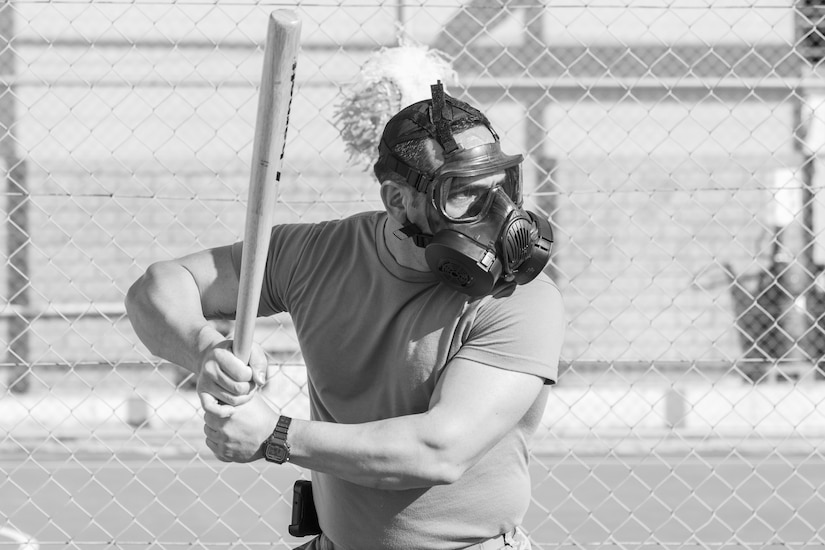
(463, 196)
(481, 234)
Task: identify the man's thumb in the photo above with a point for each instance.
(260, 375)
(258, 363)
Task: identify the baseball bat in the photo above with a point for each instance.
(274, 101)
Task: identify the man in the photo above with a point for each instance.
(429, 333)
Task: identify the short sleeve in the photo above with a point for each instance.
(520, 330)
(287, 244)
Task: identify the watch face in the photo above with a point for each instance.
(276, 452)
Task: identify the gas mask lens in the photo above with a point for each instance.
(468, 199)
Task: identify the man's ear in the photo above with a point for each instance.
(393, 196)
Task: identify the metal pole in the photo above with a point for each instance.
(795, 242)
(17, 206)
(538, 101)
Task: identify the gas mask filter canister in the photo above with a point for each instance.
(481, 233)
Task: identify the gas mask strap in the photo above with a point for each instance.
(413, 177)
(441, 119)
(409, 229)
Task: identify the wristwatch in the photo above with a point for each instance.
(276, 448)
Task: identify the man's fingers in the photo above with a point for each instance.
(211, 405)
(233, 367)
(211, 433)
(258, 362)
(216, 450)
(229, 374)
(215, 382)
(230, 387)
(232, 399)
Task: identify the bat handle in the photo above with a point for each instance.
(242, 347)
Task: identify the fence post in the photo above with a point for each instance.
(17, 205)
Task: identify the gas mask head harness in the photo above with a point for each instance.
(481, 234)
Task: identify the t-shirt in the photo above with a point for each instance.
(375, 337)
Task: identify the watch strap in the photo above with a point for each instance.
(282, 428)
(277, 447)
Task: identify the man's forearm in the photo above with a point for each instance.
(471, 411)
(387, 454)
(165, 310)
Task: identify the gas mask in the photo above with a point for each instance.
(481, 234)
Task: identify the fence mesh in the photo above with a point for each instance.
(674, 146)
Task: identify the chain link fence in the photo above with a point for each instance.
(674, 146)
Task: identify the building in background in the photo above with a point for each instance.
(655, 138)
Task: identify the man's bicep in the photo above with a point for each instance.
(216, 277)
(475, 405)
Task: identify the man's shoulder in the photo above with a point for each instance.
(353, 223)
(540, 287)
(369, 217)
(539, 298)
(366, 217)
